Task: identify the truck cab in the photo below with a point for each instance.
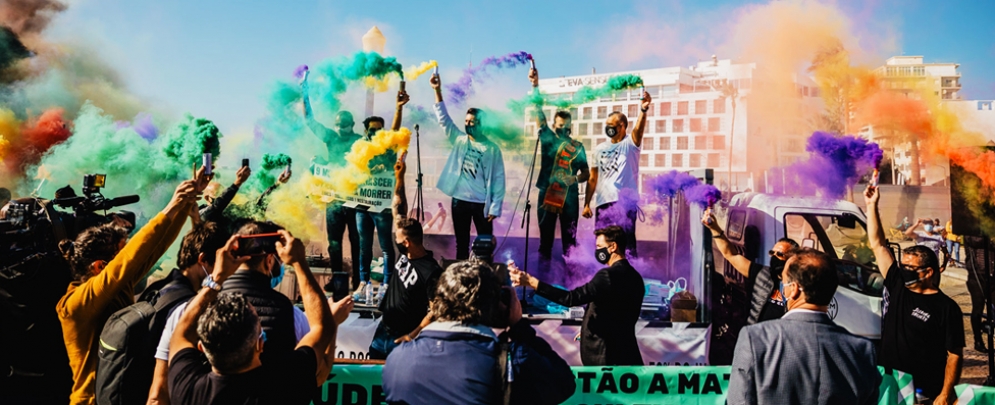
(754, 222)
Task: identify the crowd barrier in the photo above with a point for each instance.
(701, 385)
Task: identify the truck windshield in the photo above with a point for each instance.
(844, 239)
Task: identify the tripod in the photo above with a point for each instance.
(419, 197)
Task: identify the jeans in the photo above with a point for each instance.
(383, 343)
(547, 225)
(383, 222)
(616, 214)
(463, 213)
(953, 248)
(338, 218)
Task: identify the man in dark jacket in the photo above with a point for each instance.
(614, 295)
(462, 343)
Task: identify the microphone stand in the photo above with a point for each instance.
(419, 197)
(527, 219)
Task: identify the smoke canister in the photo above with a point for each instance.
(207, 162)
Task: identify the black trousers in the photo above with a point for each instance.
(614, 213)
(463, 213)
(338, 218)
(547, 225)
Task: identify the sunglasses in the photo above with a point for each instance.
(779, 255)
(907, 267)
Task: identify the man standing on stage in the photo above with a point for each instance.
(615, 175)
(337, 216)
(367, 221)
(473, 176)
(563, 165)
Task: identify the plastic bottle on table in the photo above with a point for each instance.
(920, 398)
(368, 299)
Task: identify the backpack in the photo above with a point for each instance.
(126, 356)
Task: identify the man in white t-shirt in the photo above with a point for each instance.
(614, 182)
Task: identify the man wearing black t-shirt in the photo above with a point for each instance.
(405, 307)
(763, 283)
(923, 329)
(214, 352)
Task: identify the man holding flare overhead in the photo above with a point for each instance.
(473, 175)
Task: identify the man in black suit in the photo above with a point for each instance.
(614, 297)
(804, 357)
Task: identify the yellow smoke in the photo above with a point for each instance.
(382, 85)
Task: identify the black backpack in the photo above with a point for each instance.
(126, 358)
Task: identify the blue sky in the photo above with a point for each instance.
(217, 58)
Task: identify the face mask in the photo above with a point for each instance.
(928, 228)
(372, 131)
(470, 129)
(401, 248)
(277, 278)
(911, 277)
(602, 255)
(776, 264)
(611, 131)
(563, 132)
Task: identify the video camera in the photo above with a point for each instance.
(33, 226)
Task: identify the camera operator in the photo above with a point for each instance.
(461, 341)
(107, 266)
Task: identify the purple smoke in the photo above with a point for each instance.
(669, 183)
(299, 71)
(705, 195)
(834, 163)
(145, 127)
(462, 88)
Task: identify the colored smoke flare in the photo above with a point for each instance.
(271, 161)
(463, 88)
(299, 71)
(669, 184)
(834, 163)
(346, 179)
(583, 95)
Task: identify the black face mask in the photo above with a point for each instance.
(470, 130)
(776, 264)
(602, 255)
(611, 131)
(563, 132)
(372, 131)
(401, 248)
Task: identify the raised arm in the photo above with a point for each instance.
(911, 231)
(400, 203)
(584, 294)
(402, 99)
(738, 261)
(327, 135)
(185, 334)
(640, 126)
(319, 315)
(213, 212)
(442, 114)
(875, 232)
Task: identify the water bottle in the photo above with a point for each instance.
(369, 294)
(920, 398)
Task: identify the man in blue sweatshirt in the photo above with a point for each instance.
(473, 176)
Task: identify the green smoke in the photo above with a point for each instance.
(192, 137)
(583, 95)
(278, 160)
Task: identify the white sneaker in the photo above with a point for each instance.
(360, 294)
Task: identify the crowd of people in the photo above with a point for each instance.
(215, 330)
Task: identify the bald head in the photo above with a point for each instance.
(814, 273)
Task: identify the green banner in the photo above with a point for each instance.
(362, 385)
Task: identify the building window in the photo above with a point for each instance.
(694, 160)
(665, 108)
(530, 130)
(665, 143)
(650, 111)
(700, 107)
(660, 160)
(648, 143)
(661, 126)
(682, 108)
(644, 160)
(582, 129)
(677, 160)
(682, 143)
(633, 112)
(713, 160)
(713, 124)
(602, 112)
(695, 124)
(699, 142)
(587, 113)
(599, 129)
(719, 106)
(573, 112)
(587, 145)
(617, 108)
(719, 142)
(678, 126)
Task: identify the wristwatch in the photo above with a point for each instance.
(644, 109)
(210, 283)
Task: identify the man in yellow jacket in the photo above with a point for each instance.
(107, 267)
